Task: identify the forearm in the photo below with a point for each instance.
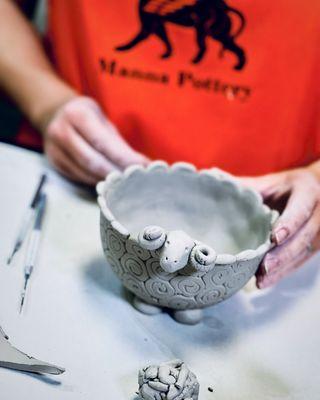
(25, 72)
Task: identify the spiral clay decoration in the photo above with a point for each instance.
(152, 237)
(179, 302)
(155, 271)
(136, 286)
(133, 248)
(159, 289)
(211, 296)
(115, 243)
(188, 286)
(134, 266)
(238, 280)
(169, 381)
(115, 265)
(203, 257)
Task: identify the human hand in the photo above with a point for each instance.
(296, 233)
(84, 145)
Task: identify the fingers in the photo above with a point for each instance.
(286, 258)
(297, 194)
(102, 135)
(264, 281)
(82, 154)
(84, 144)
(266, 185)
(302, 192)
(299, 209)
(67, 167)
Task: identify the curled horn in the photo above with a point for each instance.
(152, 237)
(202, 257)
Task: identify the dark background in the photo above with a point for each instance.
(10, 116)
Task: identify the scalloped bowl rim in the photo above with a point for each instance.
(214, 173)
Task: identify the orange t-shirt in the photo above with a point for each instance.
(237, 85)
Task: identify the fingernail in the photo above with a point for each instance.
(280, 235)
(270, 263)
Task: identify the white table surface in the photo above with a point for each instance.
(254, 346)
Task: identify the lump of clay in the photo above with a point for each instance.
(168, 381)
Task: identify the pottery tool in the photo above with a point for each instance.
(12, 358)
(33, 246)
(27, 218)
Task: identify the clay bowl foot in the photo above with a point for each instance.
(188, 317)
(145, 307)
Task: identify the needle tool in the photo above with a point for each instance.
(33, 246)
(27, 218)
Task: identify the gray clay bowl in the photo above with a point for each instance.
(180, 238)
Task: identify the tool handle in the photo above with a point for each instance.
(37, 194)
(25, 223)
(32, 251)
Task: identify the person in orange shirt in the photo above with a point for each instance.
(226, 83)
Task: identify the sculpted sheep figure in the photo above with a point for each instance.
(177, 249)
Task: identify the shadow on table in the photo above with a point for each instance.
(42, 378)
(100, 274)
(247, 311)
(223, 322)
(274, 302)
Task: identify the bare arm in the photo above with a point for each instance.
(79, 140)
(25, 72)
